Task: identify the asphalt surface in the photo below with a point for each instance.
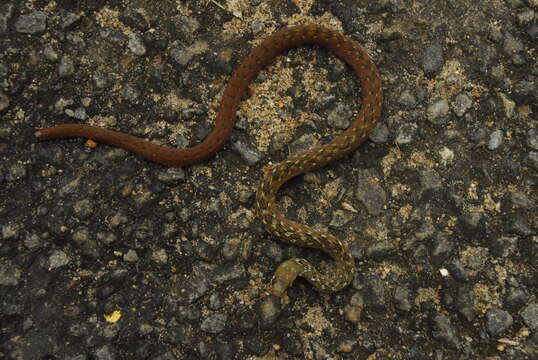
(105, 255)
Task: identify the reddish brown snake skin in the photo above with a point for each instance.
(336, 276)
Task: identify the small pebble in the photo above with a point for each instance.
(136, 44)
(407, 100)
(69, 19)
(512, 45)
(32, 23)
(10, 274)
(406, 133)
(214, 324)
(248, 153)
(447, 155)
(532, 159)
(495, 139)
(370, 193)
(433, 58)
(58, 259)
(380, 134)
(462, 103)
(181, 55)
(530, 316)
(160, 256)
(130, 256)
(340, 117)
(66, 67)
(509, 105)
(532, 138)
(443, 330)
(171, 175)
(437, 112)
(6, 12)
(50, 53)
(498, 321)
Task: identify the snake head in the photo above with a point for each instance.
(286, 273)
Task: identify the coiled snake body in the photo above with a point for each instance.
(341, 273)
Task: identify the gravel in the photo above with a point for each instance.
(444, 331)
(380, 134)
(432, 60)
(407, 99)
(406, 133)
(530, 315)
(121, 258)
(214, 324)
(32, 23)
(498, 321)
(438, 111)
(495, 139)
(462, 103)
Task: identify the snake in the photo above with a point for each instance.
(331, 277)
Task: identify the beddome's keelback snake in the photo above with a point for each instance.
(341, 272)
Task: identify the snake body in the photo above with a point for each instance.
(341, 272)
